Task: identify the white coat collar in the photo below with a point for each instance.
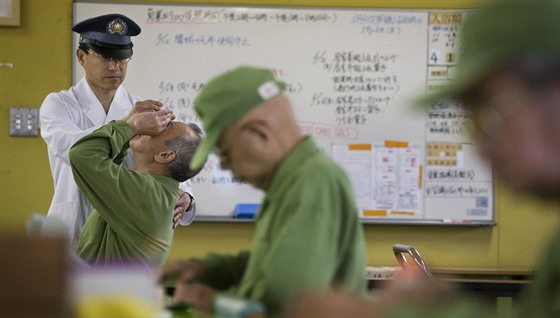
(120, 106)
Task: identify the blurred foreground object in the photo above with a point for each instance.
(33, 276)
(116, 291)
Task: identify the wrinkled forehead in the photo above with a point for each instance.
(175, 128)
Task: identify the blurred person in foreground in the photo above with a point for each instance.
(509, 79)
(307, 231)
(104, 51)
(133, 208)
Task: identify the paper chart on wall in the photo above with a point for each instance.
(387, 180)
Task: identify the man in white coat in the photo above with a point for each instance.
(105, 48)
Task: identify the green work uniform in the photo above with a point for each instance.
(133, 212)
(308, 236)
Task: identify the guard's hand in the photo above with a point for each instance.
(181, 207)
(148, 105)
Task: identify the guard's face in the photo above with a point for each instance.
(518, 130)
(102, 73)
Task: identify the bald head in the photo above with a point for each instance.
(278, 114)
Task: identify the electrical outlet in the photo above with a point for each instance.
(24, 121)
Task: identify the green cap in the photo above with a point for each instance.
(226, 98)
(502, 33)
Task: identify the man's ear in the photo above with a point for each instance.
(165, 156)
(80, 54)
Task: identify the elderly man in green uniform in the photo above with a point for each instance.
(133, 209)
(509, 78)
(308, 233)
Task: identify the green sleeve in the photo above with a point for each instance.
(223, 271)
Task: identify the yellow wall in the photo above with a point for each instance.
(41, 52)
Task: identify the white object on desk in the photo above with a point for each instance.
(381, 273)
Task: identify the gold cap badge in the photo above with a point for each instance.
(117, 26)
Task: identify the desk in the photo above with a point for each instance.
(486, 282)
(481, 281)
(499, 287)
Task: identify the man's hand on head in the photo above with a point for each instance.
(150, 123)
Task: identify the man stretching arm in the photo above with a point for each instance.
(133, 209)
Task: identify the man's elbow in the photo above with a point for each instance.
(74, 155)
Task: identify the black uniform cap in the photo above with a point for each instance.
(109, 35)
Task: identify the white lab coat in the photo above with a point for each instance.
(66, 117)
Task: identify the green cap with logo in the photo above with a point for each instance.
(226, 98)
(502, 33)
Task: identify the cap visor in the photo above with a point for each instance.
(447, 92)
(202, 152)
(119, 54)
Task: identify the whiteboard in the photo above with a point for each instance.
(351, 76)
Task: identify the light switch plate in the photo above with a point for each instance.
(24, 121)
